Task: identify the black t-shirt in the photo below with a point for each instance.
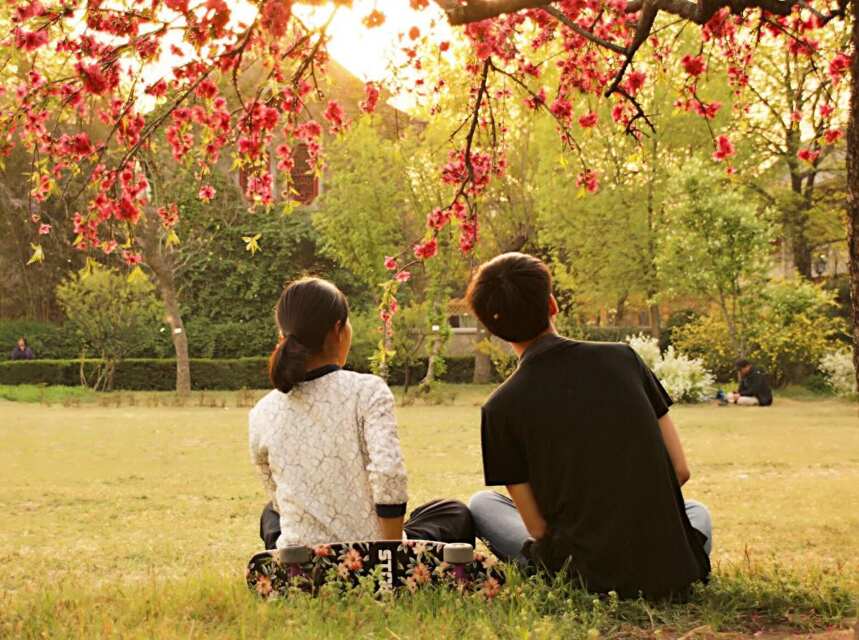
(755, 384)
(579, 422)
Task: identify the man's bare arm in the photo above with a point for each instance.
(526, 503)
(675, 448)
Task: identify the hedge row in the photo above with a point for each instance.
(149, 374)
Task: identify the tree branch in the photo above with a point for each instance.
(566, 21)
(459, 13)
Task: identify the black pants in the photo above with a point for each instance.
(439, 520)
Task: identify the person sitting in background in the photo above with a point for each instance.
(22, 350)
(754, 389)
(325, 440)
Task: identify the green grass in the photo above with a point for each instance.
(45, 394)
(136, 521)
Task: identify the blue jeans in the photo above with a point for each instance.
(497, 522)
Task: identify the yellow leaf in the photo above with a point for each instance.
(172, 238)
(137, 275)
(38, 254)
(252, 243)
(90, 266)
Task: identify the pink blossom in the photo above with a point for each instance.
(403, 276)
(131, 258)
(438, 218)
(588, 120)
(390, 263)
(635, 81)
(724, 149)
(206, 193)
(808, 155)
(426, 250)
(693, 65)
(335, 115)
(831, 136)
(588, 179)
(838, 66)
(561, 108)
(371, 97)
(44, 229)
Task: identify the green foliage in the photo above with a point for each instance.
(676, 321)
(790, 328)
(44, 394)
(231, 339)
(708, 339)
(369, 210)
(716, 245)
(504, 361)
(47, 340)
(158, 374)
(112, 314)
(142, 374)
(217, 606)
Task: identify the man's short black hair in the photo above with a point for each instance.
(510, 295)
(741, 364)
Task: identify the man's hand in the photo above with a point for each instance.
(526, 503)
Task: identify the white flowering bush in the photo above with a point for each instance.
(685, 379)
(646, 347)
(837, 366)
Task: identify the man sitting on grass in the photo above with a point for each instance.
(754, 389)
(581, 437)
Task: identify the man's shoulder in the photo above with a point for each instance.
(574, 354)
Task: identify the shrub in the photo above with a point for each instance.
(47, 340)
(838, 368)
(151, 374)
(789, 329)
(708, 340)
(647, 349)
(111, 313)
(504, 361)
(675, 322)
(237, 339)
(685, 379)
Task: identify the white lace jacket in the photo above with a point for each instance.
(328, 453)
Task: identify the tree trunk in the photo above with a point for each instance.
(180, 338)
(482, 361)
(163, 268)
(655, 321)
(853, 189)
(620, 310)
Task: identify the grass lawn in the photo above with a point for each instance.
(137, 520)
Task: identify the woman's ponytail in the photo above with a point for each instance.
(307, 311)
(286, 367)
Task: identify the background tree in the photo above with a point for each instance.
(716, 245)
(113, 314)
(797, 134)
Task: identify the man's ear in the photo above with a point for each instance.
(553, 306)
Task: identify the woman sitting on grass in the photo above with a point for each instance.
(325, 440)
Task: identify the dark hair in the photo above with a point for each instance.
(742, 364)
(307, 311)
(510, 295)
